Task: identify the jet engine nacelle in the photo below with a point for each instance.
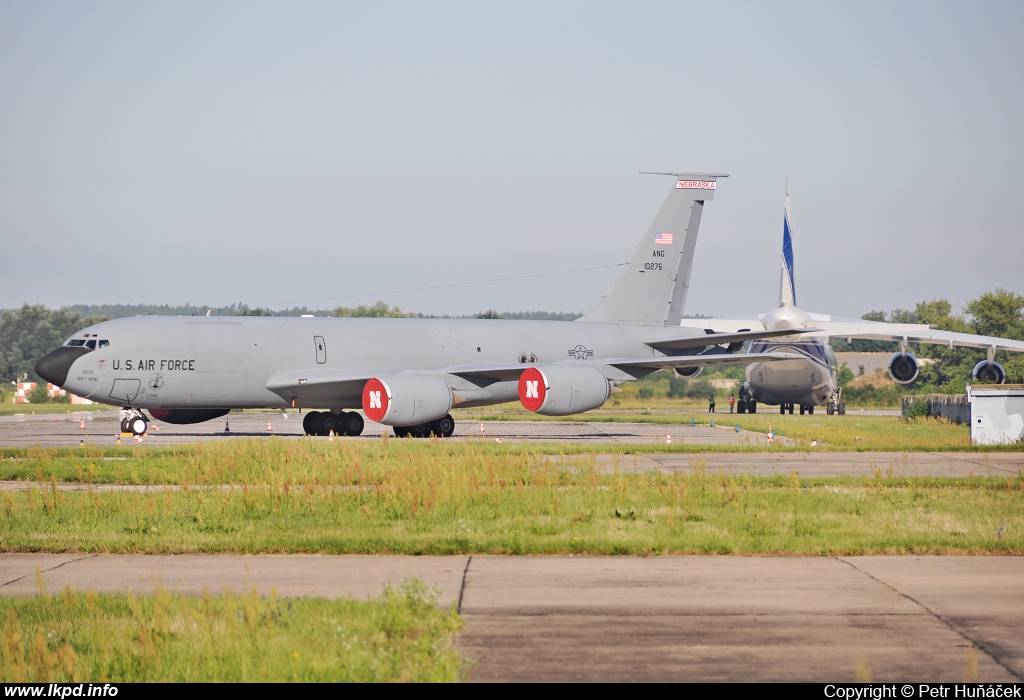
(904, 367)
(557, 390)
(406, 399)
(187, 416)
(689, 372)
(989, 371)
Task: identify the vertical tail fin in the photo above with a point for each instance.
(787, 285)
(652, 289)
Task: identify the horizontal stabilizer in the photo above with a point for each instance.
(698, 341)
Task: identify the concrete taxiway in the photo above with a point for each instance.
(102, 428)
(669, 618)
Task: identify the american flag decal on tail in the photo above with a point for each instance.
(663, 239)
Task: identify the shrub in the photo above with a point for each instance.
(39, 394)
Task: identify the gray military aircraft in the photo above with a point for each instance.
(410, 373)
(812, 380)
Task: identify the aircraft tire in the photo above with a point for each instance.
(752, 407)
(124, 426)
(420, 430)
(830, 408)
(351, 424)
(307, 422)
(317, 424)
(443, 427)
(803, 409)
(137, 425)
(842, 408)
(810, 410)
(328, 423)
(782, 409)
(741, 406)
(401, 431)
(790, 409)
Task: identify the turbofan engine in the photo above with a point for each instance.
(689, 372)
(904, 367)
(556, 390)
(187, 416)
(989, 371)
(406, 399)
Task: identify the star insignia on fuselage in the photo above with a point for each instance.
(580, 352)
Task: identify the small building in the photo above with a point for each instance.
(997, 413)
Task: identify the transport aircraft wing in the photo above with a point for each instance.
(851, 328)
(716, 338)
(671, 361)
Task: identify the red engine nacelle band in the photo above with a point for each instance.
(376, 399)
(533, 388)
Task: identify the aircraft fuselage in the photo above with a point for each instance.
(229, 362)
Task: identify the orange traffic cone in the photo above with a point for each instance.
(227, 428)
(81, 424)
(154, 427)
(668, 439)
(481, 428)
(330, 436)
(270, 428)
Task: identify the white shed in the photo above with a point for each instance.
(997, 413)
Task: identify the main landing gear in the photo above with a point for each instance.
(835, 405)
(442, 427)
(134, 423)
(323, 422)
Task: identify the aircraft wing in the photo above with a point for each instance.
(851, 328)
(716, 338)
(321, 383)
(670, 361)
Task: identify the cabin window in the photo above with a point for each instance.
(104, 343)
(91, 344)
(75, 343)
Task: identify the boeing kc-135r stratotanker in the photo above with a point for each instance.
(410, 373)
(811, 380)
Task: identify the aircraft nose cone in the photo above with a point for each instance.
(54, 367)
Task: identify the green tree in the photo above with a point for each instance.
(28, 333)
(845, 375)
(490, 313)
(258, 311)
(378, 310)
(39, 394)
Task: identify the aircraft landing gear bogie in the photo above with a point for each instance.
(321, 423)
(442, 427)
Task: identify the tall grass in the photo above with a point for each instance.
(397, 497)
(79, 637)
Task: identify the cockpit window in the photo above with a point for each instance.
(91, 344)
(104, 343)
(75, 343)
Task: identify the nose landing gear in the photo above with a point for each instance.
(134, 423)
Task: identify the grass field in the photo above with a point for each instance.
(419, 497)
(12, 409)
(79, 637)
(851, 431)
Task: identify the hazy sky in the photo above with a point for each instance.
(305, 153)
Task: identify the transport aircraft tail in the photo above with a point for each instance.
(652, 290)
(787, 285)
